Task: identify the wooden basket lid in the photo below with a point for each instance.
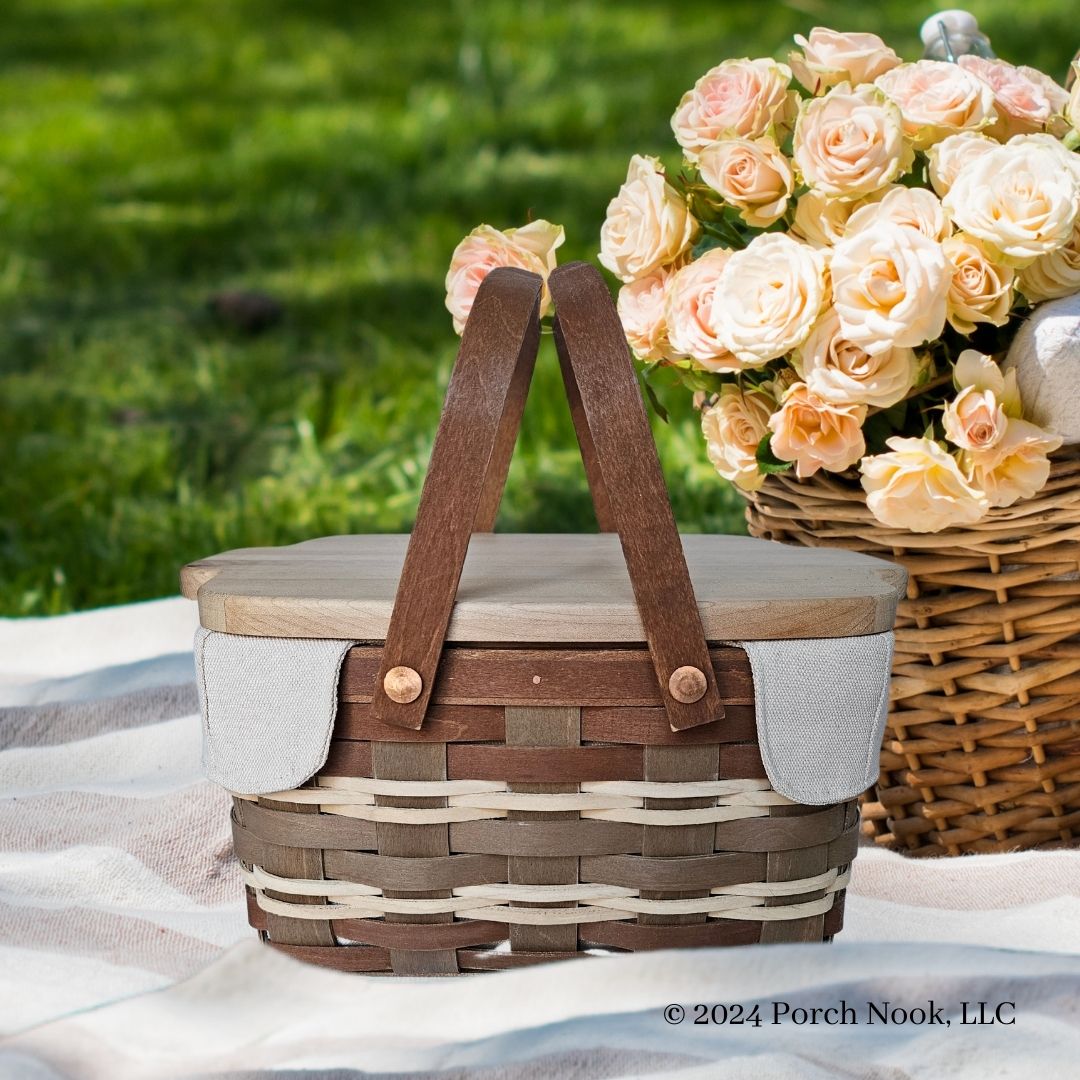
(544, 588)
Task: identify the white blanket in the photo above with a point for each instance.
(117, 884)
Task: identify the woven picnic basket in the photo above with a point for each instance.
(982, 748)
(541, 749)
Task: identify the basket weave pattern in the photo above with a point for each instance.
(982, 750)
(501, 835)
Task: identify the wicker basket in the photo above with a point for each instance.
(982, 751)
(557, 830)
(578, 769)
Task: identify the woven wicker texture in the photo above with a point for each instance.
(505, 835)
(982, 749)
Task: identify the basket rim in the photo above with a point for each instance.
(832, 508)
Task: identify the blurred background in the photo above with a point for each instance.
(158, 155)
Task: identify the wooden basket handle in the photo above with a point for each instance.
(467, 472)
(599, 373)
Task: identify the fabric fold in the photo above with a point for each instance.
(821, 706)
(268, 708)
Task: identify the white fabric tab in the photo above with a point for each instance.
(821, 708)
(268, 707)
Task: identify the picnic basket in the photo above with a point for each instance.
(982, 748)
(542, 749)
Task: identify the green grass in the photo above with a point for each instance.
(153, 152)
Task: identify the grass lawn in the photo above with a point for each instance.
(154, 152)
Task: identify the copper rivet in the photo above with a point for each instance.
(403, 685)
(687, 684)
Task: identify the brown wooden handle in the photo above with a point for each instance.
(597, 369)
(470, 456)
(467, 472)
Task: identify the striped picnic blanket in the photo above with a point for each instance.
(124, 949)
(116, 869)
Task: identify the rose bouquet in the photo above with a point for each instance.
(852, 270)
(842, 264)
(868, 274)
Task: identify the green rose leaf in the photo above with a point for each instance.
(654, 401)
(767, 461)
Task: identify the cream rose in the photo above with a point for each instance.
(1025, 99)
(821, 221)
(829, 57)
(648, 224)
(768, 297)
(981, 290)
(918, 486)
(973, 368)
(1068, 159)
(1056, 274)
(946, 158)
(849, 142)
(890, 287)
(733, 427)
(917, 208)
(642, 305)
(742, 99)
(1014, 468)
(974, 419)
(690, 311)
(844, 374)
(531, 247)
(1020, 199)
(937, 99)
(815, 433)
(751, 175)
